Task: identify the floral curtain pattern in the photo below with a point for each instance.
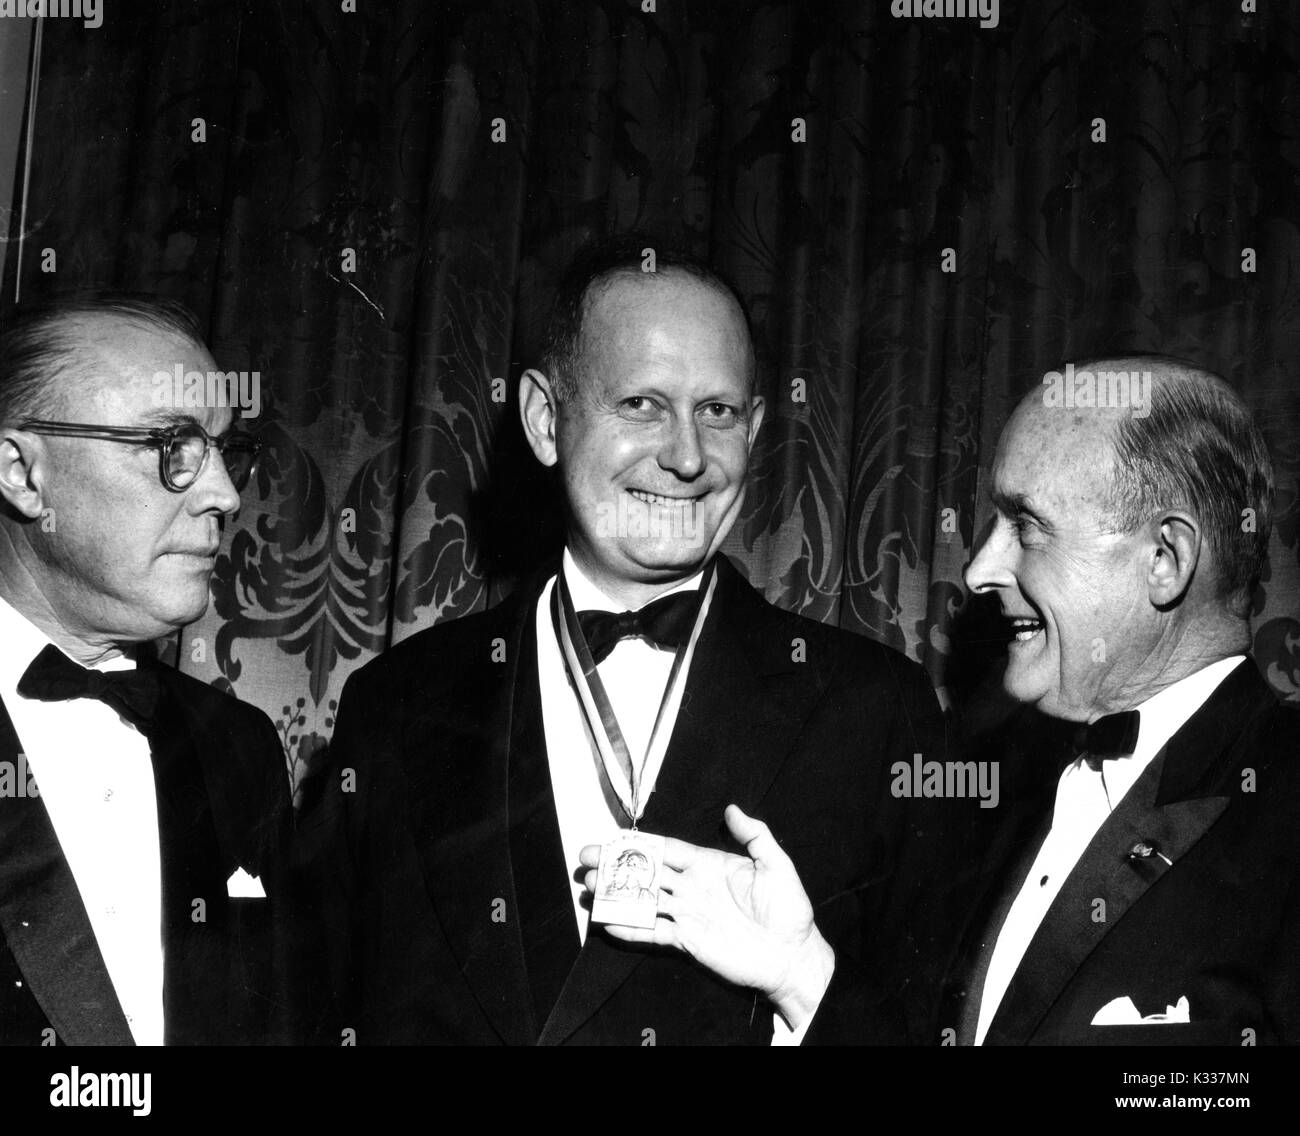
(923, 216)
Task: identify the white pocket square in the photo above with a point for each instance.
(243, 886)
(1122, 1012)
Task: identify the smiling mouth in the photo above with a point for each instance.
(662, 501)
(1025, 628)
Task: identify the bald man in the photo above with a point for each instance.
(1156, 897)
(639, 696)
(142, 813)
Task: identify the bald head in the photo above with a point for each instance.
(1150, 433)
(602, 277)
(1132, 501)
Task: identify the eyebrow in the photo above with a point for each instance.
(1016, 504)
(164, 418)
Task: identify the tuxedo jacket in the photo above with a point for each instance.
(431, 863)
(223, 804)
(1190, 889)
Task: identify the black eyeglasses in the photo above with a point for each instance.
(183, 449)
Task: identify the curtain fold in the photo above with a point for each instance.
(922, 216)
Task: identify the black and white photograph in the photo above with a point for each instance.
(649, 523)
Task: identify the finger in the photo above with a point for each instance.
(664, 934)
(757, 838)
(670, 878)
(589, 880)
(589, 857)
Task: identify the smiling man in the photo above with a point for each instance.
(1155, 900)
(640, 702)
(139, 808)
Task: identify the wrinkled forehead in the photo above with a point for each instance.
(1062, 459)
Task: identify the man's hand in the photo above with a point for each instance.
(747, 918)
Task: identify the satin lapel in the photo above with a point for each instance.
(196, 962)
(1172, 805)
(745, 702)
(460, 811)
(45, 922)
(542, 878)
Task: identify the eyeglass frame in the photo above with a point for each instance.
(162, 437)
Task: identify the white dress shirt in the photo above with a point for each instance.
(1085, 797)
(634, 675)
(95, 777)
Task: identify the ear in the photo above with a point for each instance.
(538, 411)
(756, 408)
(1176, 550)
(21, 462)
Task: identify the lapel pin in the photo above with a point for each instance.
(1144, 850)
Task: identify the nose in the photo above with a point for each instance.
(990, 567)
(681, 452)
(213, 489)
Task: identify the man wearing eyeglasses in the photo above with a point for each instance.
(141, 812)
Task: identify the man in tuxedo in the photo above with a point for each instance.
(1154, 897)
(141, 811)
(474, 762)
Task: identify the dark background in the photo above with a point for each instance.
(327, 131)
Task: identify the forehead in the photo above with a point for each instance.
(668, 322)
(1059, 459)
(119, 362)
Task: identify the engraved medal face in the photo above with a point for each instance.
(627, 880)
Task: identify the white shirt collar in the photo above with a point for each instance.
(588, 597)
(1165, 712)
(1160, 717)
(23, 641)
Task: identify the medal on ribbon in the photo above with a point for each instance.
(632, 864)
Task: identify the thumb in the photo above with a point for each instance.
(757, 838)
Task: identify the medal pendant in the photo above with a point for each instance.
(627, 880)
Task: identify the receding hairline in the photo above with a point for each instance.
(75, 339)
(1164, 369)
(82, 324)
(602, 285)
(669, 275)
(1167, 372)
(77, 333)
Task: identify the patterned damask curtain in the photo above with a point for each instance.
(370, 208)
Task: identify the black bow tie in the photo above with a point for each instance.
(1115, 735)
(666, 622)
(53, 677)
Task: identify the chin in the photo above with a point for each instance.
(1049, 703)
(1023, 689)
(677, 561)
(180, 613)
